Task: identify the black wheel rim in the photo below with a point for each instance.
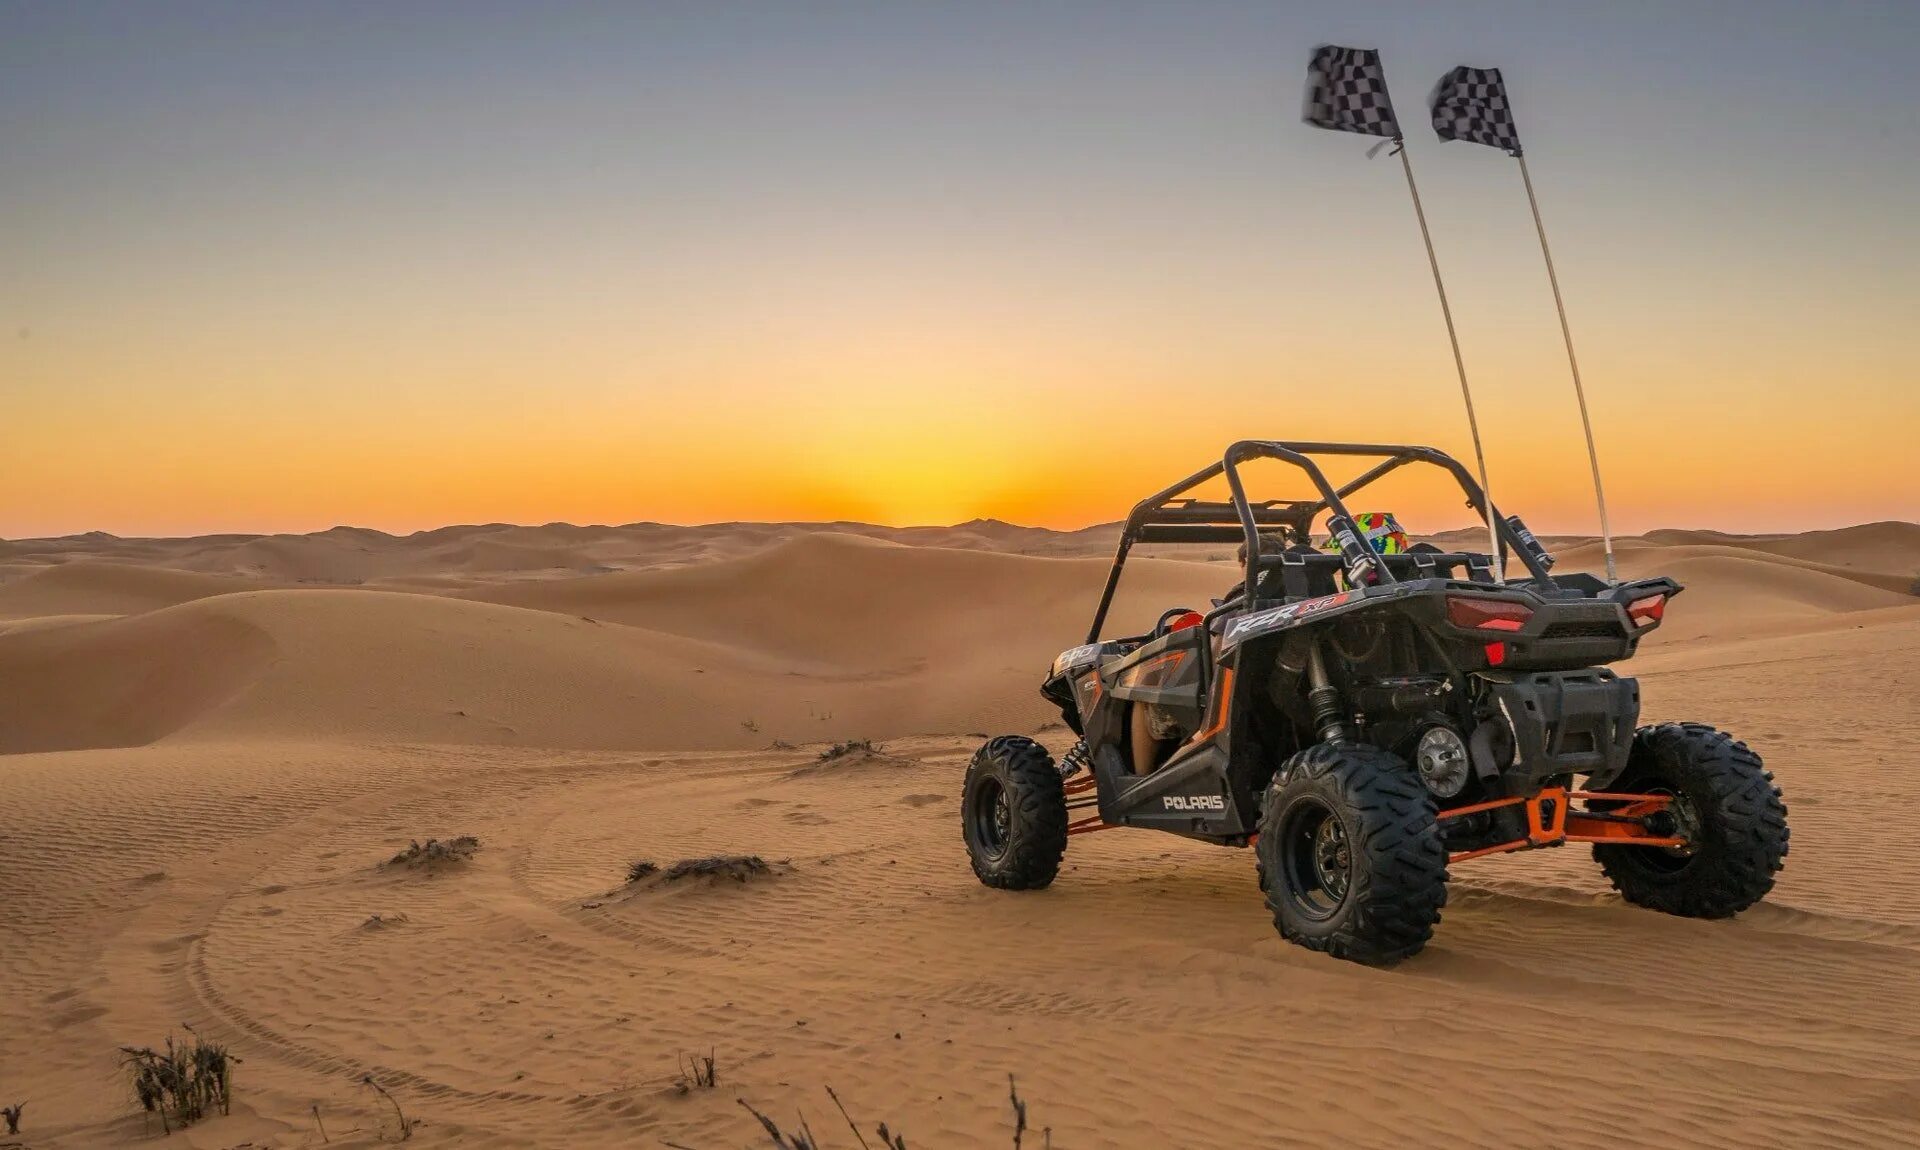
(1316, 860)
(990, 818)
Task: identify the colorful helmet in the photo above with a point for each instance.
(1381, 531)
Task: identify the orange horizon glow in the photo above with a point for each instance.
(1065, 437)
(399, 488)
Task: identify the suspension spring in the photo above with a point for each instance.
(1329, 717)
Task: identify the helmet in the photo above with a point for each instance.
(1381, 531)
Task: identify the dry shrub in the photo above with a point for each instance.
(184, 1082)
(737, 867)
(850, 747)
(12, 1115)
(433, 851)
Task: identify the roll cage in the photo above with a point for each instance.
(1164, 517)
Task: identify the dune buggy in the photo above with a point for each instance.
(1365, 720)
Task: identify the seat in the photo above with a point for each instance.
(1296, 573)
(1176, 619)
(1300, 572)
(1425, 561)
(1305, 573)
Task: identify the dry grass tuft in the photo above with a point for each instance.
(1020, 1117)
(436, 851)
(696, 1073)
(802, 1138)
(12, 1115)
(406, 1124)
(183, 1083)
(641, 868)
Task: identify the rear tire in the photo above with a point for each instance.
(1013, 814)
(1350, 854)
(1725, 798)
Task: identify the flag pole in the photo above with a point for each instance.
(1460, 366)
(1580, 392)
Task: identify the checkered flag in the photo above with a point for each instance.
(1347, 92)
(1471, 104)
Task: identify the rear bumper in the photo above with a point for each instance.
(1566, 630)
(1566, 723)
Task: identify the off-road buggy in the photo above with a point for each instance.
(1365, 719)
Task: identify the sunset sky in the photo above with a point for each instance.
(274, 267)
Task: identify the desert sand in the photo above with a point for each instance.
(209, 747)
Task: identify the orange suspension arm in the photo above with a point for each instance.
(1549, 821)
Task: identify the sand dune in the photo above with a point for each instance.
(733, 654)
(209, 746)
(1888, 548)
(366, 666)
(1641, 557)
(856, 602)
(356, 555)
(106, 589)
(121, 682)
(1734, 590)
(1730, 589)
(815, 634)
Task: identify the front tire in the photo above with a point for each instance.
(1350, 854)
(1013, 814)
(1726, 806)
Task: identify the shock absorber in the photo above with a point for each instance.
(1323, 698)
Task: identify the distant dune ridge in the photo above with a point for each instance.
(208, 746)
(359, 554)
(652, 636)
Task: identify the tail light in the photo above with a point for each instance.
(1646, 612)
(1487, 614)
